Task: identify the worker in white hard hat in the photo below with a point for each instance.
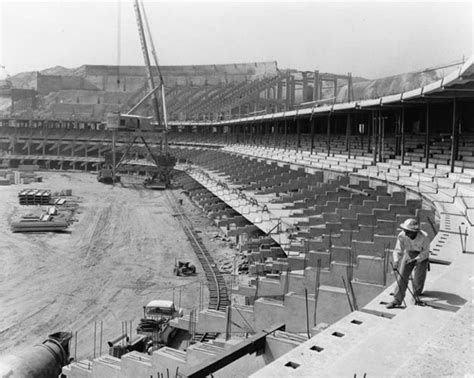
(411, 253)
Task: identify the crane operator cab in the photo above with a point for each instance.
(128, 122)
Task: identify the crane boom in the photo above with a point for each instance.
(146, 57)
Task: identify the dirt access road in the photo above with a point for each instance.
(117, 256)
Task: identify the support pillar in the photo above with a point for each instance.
(381, 136)
(348, 135)
(316, 86)
(286, 133)
(402, 130)
(454, 135)
(288, 92)
(328, 137)
(369, 131)
(375, 132)
(397, 134)
(305, 85)
(275, 132)
(298, 134)
(292, 91)
(427, 140)
(313, 126)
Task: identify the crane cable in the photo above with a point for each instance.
(119, 40)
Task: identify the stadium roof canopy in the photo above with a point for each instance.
(458, 84)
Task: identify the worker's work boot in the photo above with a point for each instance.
(393, 304)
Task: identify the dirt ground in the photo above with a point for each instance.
(118, 255)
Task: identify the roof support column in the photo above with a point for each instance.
(397, 134)
(275, 132)
(381, 136)
(286, 133)
(328, 140)
(402, 130)
(454, 135)
(375, 134)
(360, 129)
(305, 85)
(288, 92)
(298, 134)
(268, 131)
(369, 131)
(313, 125)
(427, 140)
(348, 135)
(316, 86)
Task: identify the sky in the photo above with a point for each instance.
(369, 39)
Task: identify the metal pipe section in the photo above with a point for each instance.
(42, 360)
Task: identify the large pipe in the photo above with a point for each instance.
(43, 360)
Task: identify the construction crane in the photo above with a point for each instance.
(158, 177)
(146, 58)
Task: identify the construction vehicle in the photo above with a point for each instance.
(155, 324)
(184, 268)
(106, 176)
(42, 360)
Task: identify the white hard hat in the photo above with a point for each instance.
(410, 224)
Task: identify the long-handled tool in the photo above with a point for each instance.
(418, 301)
(395, 271)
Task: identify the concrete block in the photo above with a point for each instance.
(276, 346)
(199, 353)
(106, 367)
(211, 321)
(296, 262)
(313, 257)
(332, 305)
(168, 359)
(384, 241)
(268, 312)
(136, 364)
(79, 369)
(366, 219)
(271, 287)
(385, 227)
(341, 254)
(370, 269)
(296, 282)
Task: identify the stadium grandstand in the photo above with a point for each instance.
(312, 173)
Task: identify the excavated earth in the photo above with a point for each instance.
(118, 254)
